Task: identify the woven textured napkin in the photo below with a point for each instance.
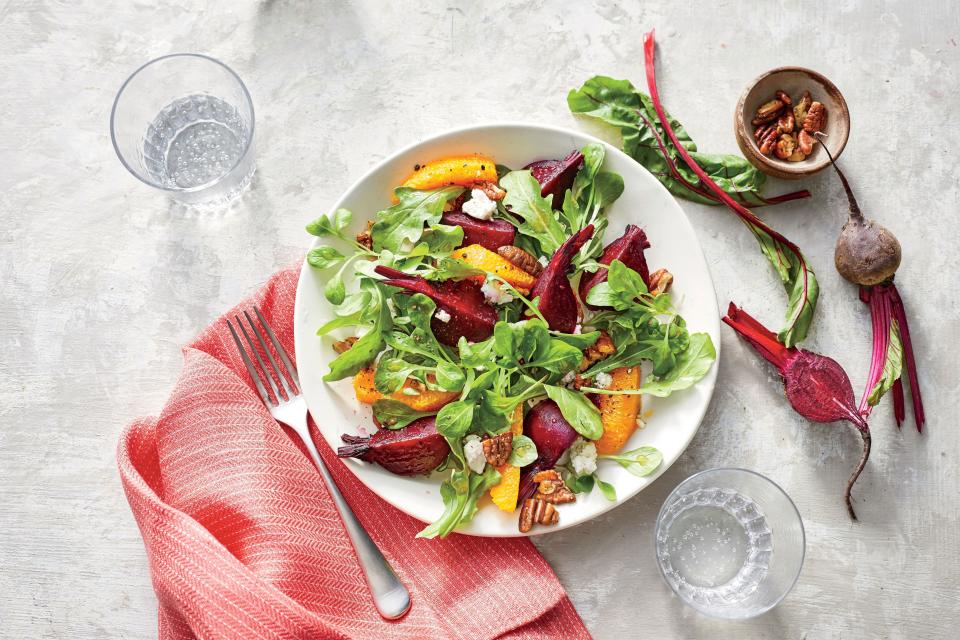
(243, 540)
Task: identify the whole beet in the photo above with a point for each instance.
(552, 434)
(491, 234)
(417, 449)
(557, 303)
(470, 315)
(556, 176)
(628, 249)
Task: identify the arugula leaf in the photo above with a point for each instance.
(324, 257)
(391, 373)
(442, 238)
(393, 414)
(691, 366)
(331, 225)
(335, 290)
(559, 357)
(582, 414)
(620, 290)
(460, 495)
(450, 377)
(892, 366)
(405, 220)
(579, 340)
(524, 451)
(536, 217)
(577, 484)
(518, 342)
(477, 354)
(454, 419)
(356, 357)
(640, 462)
(608, 490)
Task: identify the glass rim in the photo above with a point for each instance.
(200, 187)
(803, 541)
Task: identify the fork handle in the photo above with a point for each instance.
(390, 596)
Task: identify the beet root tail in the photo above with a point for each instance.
(856, 473)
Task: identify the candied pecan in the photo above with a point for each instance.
(660, 281)
(786, 122)
(797, 156)
(491, 189)
(344, 345)
(816, 118)
(599, 350)
(784, 98)
(497, 449)
(800, 109)
(536, 511)
(763, 131)
(552, 489)
(785, 146)
(805, 143)
(768, 112)
(520, 258)
(768, 143)
(364, 238)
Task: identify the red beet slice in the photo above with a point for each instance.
(628, 249)
(552, 434)
(470, 315)
(557, 302)
(491, 234)
(556, 176)
(417, 449)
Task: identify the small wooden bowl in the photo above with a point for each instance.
(794, 81)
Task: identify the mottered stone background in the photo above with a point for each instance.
(103, 279)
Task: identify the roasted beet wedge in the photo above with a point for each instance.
(552, 434)
(628, 249)
(557, 302)
(491, 234)
(412, 451)
(556, 176)
(470, 315)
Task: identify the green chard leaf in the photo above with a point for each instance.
(393, 414)
(582, 414)
(405, 220)
(892, 366)
(691, 365)
(537, 218)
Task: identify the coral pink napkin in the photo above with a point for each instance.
(243, 540)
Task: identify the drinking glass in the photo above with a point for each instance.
(730, 543)
(183, 123)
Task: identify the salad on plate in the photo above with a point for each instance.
(501, 341)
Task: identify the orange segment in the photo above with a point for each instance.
(482, 258)
(455, 170)
(427, 400)
(619, 413)
(504, 493)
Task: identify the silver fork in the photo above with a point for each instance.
(389, 594)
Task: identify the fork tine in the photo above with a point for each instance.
(250, 368)
(279, 347)
(263, 366)
(266, 350)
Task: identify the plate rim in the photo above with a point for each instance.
(709, 379)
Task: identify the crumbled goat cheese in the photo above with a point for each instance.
(473, 452)
(494, 295)
(583, 457)
(543, 261)
(567, 379)
(442, 315)
(479, 205)
(602, 380)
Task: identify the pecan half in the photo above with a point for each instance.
(768, 112)
(552, 489)
(762, 131)
(797, 156)
(784, 98)
(660, 281)
(520, 258)
(805, 142)
(498, 448)
(768, 143)
(800, 109)
(535, 511)
(785, 146)
(599, 350)
(816, 118)
(491, 189)
(344, 345)
(786, 123)
(364, 238)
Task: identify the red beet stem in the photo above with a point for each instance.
(898, 409)
(880, 313)
(762, 339)
(748, 217)
(900, 315)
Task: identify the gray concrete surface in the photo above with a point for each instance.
(103, 279)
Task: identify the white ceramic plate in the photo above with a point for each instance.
(645, 202)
